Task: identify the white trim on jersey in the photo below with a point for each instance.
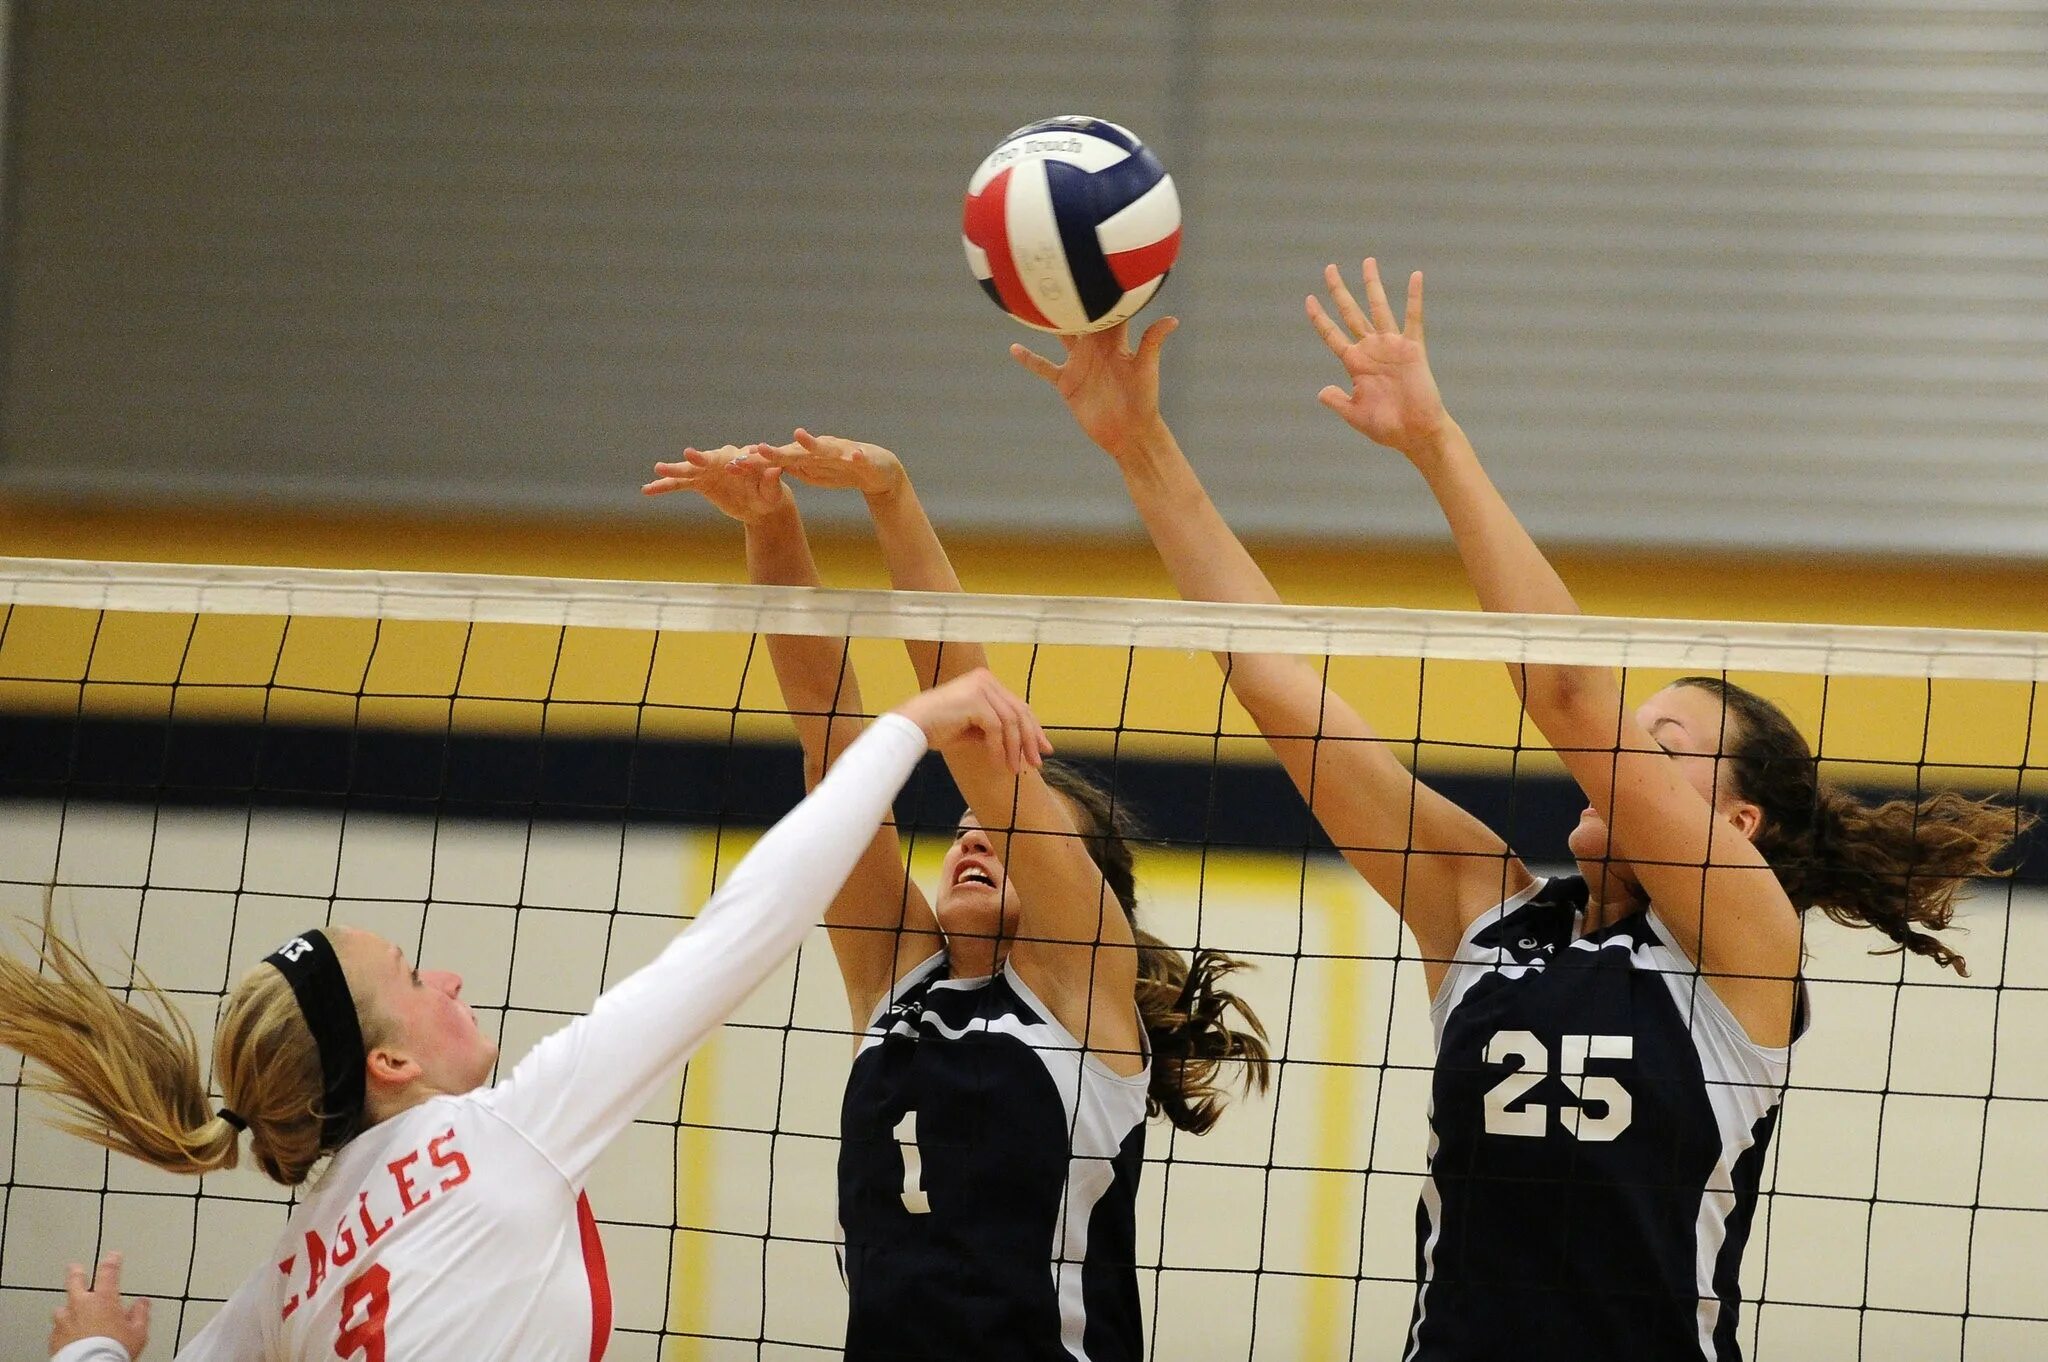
(1744, 1081)
(1103, 1107)
(1469, 964)
(563, 1103)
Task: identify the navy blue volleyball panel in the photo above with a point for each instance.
(1081, 201)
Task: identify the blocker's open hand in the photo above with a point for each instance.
(1112, 390)
(98, 1311)
(829, 461)
(1393, 398)
(744, 488)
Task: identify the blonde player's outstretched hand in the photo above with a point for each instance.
(1393, 398)
(98, 1312)
(745, 488)
(829, 461)
(978, 709)
(1112, 390)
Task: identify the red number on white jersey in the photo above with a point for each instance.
(371, 1290)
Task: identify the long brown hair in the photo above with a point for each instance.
(1896, 867)
(127, 1077)
(1184, 1008)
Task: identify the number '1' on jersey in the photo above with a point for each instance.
(988, 1177)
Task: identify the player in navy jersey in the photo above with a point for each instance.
(449, 1221)
(1014, 1029)
(1611, 1047)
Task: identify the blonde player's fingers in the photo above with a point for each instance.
(1332, 335)
(74, 1283)
(1037, 745)
(1002, 714)
(1036, 363)
(107, 1280)
(1413, 329)
(1347, 306)
(1376, 297)
(661, 486)
(1335, 398)
(1027, 736)
(138, 1313)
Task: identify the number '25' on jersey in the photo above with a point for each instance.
(1598, 1126)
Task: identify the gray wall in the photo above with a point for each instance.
(1745, 274)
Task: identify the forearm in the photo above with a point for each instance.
(1208, 562)
(1201, 552)
(1507, 570)
(579, 1087)
(917, 561)
(816, 674)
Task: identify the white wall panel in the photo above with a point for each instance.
(1733, 275)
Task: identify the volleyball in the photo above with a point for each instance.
(1071, 224)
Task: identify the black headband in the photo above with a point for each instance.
(309, 965)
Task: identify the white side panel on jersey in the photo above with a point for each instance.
(1744, 1080)
(1035, 248)
(1150, 217)
(1433, 1207)
(1101, 1107)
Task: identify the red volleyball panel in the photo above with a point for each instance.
(1145, 263)
(986, 224)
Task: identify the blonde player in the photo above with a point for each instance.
(451, 1221)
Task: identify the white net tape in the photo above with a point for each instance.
(1329, 631)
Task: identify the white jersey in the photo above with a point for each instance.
(459, 1228)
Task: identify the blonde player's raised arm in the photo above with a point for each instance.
(450, 1220)
(579, 1088)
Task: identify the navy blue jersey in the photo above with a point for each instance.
(988, 1177)
(1598, 1122)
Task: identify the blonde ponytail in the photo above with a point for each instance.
(127, 1077)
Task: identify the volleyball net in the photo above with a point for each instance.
(534, 782)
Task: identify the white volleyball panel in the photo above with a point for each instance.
(1129, 305)
(1152, 216)
(1082, 149)
(1035, 249)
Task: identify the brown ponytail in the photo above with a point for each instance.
(1896, 867)
(127, 1077)
(1184, 1010)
